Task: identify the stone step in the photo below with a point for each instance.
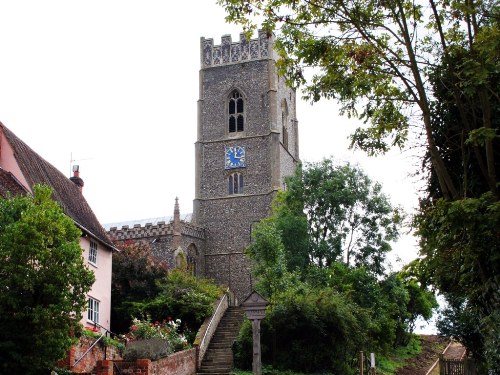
(218, 359)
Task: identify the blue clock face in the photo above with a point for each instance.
(235, 157)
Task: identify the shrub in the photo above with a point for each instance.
(154, 340)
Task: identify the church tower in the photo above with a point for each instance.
(247, 143)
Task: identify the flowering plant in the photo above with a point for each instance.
(167, 330)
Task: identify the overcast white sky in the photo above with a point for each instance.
(114, 83)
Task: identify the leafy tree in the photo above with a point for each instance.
(401, 65)
(376, 58)
(43, 282)
(143, 287)
(268, 255)
(136, 273)
(349, 218)
(185, 296)
(291, 221)
(461, 241)
(321, 316)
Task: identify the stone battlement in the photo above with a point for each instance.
(231, 53)
(159, 229)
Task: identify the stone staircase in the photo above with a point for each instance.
(218, 359)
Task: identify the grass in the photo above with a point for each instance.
(387, 365)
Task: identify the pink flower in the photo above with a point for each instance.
(157, 323)
(134, 328)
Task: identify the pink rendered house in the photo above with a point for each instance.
(20, 169)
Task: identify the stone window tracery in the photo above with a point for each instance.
(236, 112)
(236, 183)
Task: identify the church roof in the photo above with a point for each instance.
(35, 170)
(142, 222)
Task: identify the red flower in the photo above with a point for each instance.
(134, 328)
(157, 323)
(169, 318)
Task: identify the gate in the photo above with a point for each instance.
(456, 366)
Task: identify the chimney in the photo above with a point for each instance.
(76, 177)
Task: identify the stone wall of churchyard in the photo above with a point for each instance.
(180, 363)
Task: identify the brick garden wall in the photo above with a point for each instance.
(88, 363)
(180, 363)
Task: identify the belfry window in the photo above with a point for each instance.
(236, 115)
(236, 183)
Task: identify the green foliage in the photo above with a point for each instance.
(143, 286)
(461, 242)
(398, 65)
(321, 313)
(307, 332)
(163, 338)
(43, 282)
(387, 364)
(180, 294)
(378, 59)
(106, 340)
(136, 273)
(153, 349)
(268, 255)
(349, 218)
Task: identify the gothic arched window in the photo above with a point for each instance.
(236, 115)
(192, 255)
(236, 183)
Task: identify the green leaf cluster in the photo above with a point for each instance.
(143, 286)
(322, 313)
(43, 282)
(460, 241)
(428, 73)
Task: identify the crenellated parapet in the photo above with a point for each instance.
(137, 231)
(231, 53)
(191, 230)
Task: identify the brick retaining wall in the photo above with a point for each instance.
(87, 363)
(180, 363)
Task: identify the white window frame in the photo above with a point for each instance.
(93, 252)
(93, 310)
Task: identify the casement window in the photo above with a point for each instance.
(93, 252)
(236, 113)
(236, 183)
(93, 310)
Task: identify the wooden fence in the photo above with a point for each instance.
(456, 366)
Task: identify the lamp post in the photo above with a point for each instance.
(255, 310)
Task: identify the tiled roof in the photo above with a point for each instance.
(37, 170)
(9, 185)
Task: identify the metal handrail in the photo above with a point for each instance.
(211, 320)
(118, 368)
(106, 331)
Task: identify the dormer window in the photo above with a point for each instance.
(236, 113)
